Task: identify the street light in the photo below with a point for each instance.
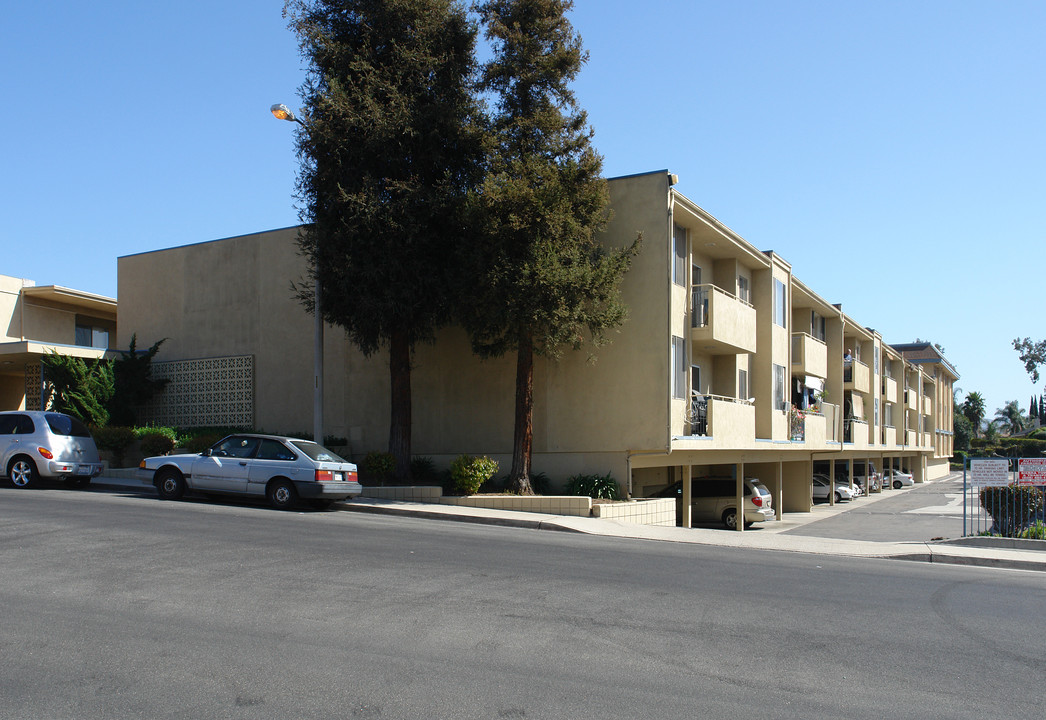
(282, 112)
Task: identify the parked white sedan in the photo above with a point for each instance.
(281, 469)
(897, 479)
(842, 490)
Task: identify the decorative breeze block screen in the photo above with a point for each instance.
(34, 386)
(209, 392)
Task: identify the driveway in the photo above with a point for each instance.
(925, 512)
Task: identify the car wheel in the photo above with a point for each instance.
(838, 498)
(897, 484)
(730, 519)
(170, 484)
(282, 495)
(22, 472)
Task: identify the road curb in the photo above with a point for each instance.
(474, 519)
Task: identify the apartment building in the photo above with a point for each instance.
(728, 365)
(37, 320)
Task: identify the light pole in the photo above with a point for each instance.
(282, 112)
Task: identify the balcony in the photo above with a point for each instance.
(721, 324)
(857, 376)
(889, 390)
(809, 356)
(856, 432)
(911, 398)
(889, 436)
(727, 419)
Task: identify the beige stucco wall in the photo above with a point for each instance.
(233, 297)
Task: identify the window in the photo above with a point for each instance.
(817, 326)
(695, 379)
(779, 303)
(698, 299)
(93, 337)
(742, 384)
(779, 387)
(16, 425)
(679, 248)
(678, 368)
(876, 411)
(274, 450)
(888, 414)
(744, 291)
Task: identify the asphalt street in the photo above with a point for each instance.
(120, 605)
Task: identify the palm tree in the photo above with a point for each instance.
(973, 408)
(1011, 418)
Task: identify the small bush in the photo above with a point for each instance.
(595, 486)
(377, 467)
(156, 441)
(470, 473)
(423, 471)
(199, 443)
(1035, 531)
(114, 439)
(540, 483)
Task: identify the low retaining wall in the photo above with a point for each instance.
(656, 511)
(660, 511)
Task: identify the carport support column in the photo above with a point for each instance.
(779, 491)
(687, 484)
(739, 512)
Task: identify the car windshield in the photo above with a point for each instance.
(316, 451)
(66, 425)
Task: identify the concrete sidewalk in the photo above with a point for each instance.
(988, 552)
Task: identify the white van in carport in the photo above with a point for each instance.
(714, 499)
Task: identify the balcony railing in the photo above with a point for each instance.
(722, 322)
(809, 355)
(854, 428)
(697, 415)
(857, 373)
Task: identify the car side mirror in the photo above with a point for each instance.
(206, 453)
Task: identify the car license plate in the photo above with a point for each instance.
(84, 469)
(339, 477)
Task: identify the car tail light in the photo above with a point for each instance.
(45, 452)
(757, 500)
(324, 476)
(352, 476)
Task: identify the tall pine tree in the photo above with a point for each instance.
(544, 280)
(389, 149)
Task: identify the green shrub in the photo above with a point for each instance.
(377, 468)
(470, 473)
(1011, 507)
(595, 486)
(156, 441)
(197, 443)
(114, 439)
(1035, 531)
(540, 483)
(423, 471)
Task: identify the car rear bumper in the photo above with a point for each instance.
(71, 469)
(328, 490)
(759, 514)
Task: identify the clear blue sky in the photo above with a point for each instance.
(891, 151)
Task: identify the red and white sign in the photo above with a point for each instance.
(989, 472)
(1031, 471)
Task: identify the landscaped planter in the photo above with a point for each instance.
(658, 511)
